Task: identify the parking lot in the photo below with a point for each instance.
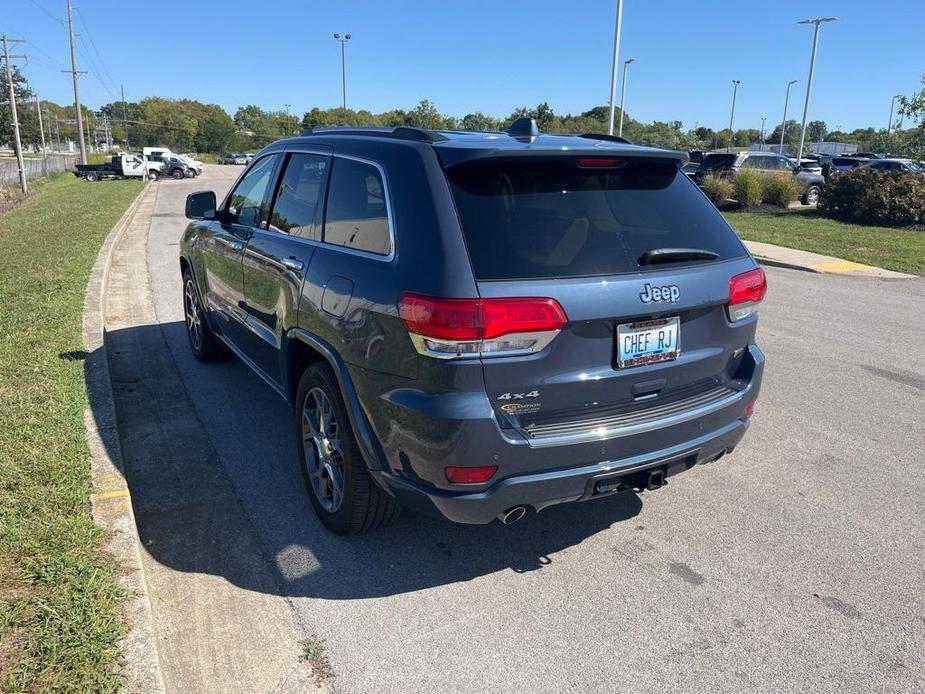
(794, 564)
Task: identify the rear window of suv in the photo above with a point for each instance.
(530, 219)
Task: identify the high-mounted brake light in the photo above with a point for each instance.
(470, 475)
(453, 328)
(595, 163)
(745, 293)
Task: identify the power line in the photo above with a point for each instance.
(57, 20)
(95, 50)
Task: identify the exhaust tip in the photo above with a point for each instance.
(512, 515)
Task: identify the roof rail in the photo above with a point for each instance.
(606, 138)
(400, 133)
(523, 127)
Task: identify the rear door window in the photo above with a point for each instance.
(531, 219)
(357, 210)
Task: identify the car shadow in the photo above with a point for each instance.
(209, 454)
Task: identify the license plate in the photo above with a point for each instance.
(648, 342)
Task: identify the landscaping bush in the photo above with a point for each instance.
(749, 188)
(873, 197)
(717, 188)
(781, 189)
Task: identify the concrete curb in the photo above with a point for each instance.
(779, 263)
(110, 499)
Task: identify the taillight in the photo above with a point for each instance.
(596, 163)
(470, 475)
(451, 328)
(745, 293)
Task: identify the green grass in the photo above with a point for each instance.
(60, 605)
(902, 250)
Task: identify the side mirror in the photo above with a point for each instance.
(201, 205)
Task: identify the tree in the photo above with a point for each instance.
(816, 130)
(425, 115)
(479, 121)
(914, 106)
(23, 95)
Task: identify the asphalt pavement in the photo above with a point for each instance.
(795, 564)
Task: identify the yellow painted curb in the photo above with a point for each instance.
(837, 266)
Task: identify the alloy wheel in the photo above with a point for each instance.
(193, 315)
(323, 454)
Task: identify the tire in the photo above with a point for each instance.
(92, 177)
(177, 174)
(811, 196)
(329, 457)
(153, 175)
(204, 345)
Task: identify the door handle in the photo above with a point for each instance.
(293, 264)
(236, 245)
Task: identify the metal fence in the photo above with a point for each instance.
(35, 168)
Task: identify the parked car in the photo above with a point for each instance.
(728, 163)
(479, 324)
(162, 154)
(233, 158)
(690, 168)
(120, 166)
(866, 155)
(842, 164)
(896, 166)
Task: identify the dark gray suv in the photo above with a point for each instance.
(481, 324)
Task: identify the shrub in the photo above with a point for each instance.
(781, 189)
(749, 188)
(873, 197)
(717, 188)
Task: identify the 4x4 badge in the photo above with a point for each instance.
(669, 292)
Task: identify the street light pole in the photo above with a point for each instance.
(783, 123)
(343, 68)
(626, 65)
(735, 89)
(288, 122)
(616, 61)
(809, 83)
(763, 119)
(889, 124)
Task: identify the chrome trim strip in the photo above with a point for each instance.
(634, 423)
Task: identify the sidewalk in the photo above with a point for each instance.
(201, 631)
(779, 256)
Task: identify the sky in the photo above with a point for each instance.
(492, 57)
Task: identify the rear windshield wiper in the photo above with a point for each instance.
(675, 255)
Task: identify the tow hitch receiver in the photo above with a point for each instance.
(638, 481)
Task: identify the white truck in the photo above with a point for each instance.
(120, 166)
(164, 155)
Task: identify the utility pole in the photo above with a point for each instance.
(809, 83)
(735, 89)
(124, 116)
(16, 141)
(343, 69)
(618, 28)
(783, 123)
(626, 65)
(889, 125)
(38, 110)
(75, 75)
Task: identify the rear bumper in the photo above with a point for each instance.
(418, 446)
(540, 490)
